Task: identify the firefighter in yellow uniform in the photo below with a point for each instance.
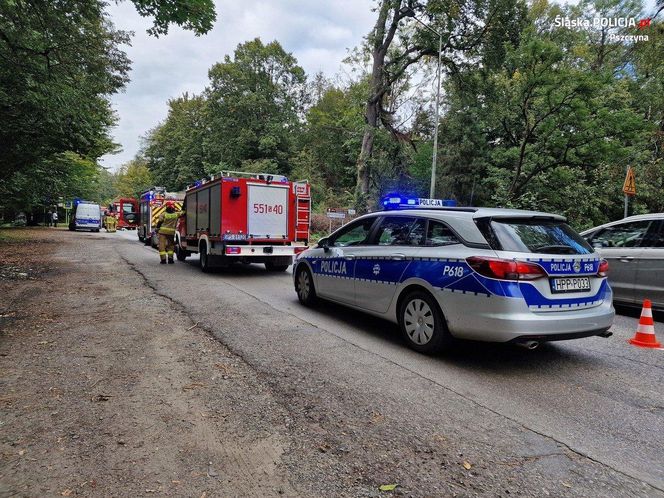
(111, 223)
(166, 231)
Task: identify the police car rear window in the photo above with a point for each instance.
(536, 236)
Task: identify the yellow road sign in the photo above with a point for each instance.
(629, 187)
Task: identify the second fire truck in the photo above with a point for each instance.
(247, 217)
(151, 205)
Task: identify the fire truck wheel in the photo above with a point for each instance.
(204, 258)
(270, 266)
(304, 286)
(180, 253)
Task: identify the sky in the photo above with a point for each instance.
(317, 32)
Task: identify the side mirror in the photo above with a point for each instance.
(324, 243)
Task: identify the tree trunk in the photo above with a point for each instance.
(380, 43)
(363, 169)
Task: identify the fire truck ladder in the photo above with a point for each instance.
(303, 218)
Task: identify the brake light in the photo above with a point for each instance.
(505, 269)
(603, 269)
(299, 249)
(233, 250)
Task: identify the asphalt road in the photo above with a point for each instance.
(587, 415)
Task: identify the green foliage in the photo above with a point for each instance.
(60, 61)
(133, 178)
(254, 102)
(194, 15)
(174, 150)
(63, 176)
(553, 125)
(248, 119)
(329, 143)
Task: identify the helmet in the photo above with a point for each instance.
(170, 204)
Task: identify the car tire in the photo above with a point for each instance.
(204, 258)
(304, 286)
(270, 266)
(422, 323)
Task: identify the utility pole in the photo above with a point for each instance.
(434, 158)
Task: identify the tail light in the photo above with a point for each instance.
(299, 249)
(603, 269)
(505, 269)
(233, 250)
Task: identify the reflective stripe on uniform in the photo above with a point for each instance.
(168, 222)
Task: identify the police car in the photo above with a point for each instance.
(499, 275)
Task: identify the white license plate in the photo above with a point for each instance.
(570, 284)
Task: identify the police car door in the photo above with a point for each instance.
(333, 271)
(380, 266)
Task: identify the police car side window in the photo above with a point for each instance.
(439, 234)
(395, 231)
(354, 234)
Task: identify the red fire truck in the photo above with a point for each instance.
(125, 210)
(152, 203)
(247, 217)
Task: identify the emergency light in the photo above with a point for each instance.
(395, 201)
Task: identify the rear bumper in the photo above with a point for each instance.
(500, 319)
(262, 251)
(558, 337)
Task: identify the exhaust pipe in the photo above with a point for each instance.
(605, 334)
(528, 344)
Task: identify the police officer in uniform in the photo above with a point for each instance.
(166, 231)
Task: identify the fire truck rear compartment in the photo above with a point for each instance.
(249, 219)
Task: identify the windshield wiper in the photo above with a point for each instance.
(555, 249)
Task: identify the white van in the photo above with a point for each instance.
(87, 217)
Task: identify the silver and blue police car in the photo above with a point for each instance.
(499, 275)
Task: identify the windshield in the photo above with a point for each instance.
(127, 207)
(536, 236)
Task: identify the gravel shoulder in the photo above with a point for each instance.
(108, 389)
(114, 381)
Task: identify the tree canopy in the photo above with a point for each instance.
(60, 61)
(534, 114)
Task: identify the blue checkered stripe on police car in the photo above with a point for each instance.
(454, 275)
(567, 267)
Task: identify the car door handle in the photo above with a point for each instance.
(626, 259)
(349, 257)
(398, 257)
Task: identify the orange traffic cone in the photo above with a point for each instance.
(645, 332)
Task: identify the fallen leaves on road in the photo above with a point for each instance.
(67, 492)
(377, 418)
(388, 487)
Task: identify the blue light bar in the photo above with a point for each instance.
(399, 202)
